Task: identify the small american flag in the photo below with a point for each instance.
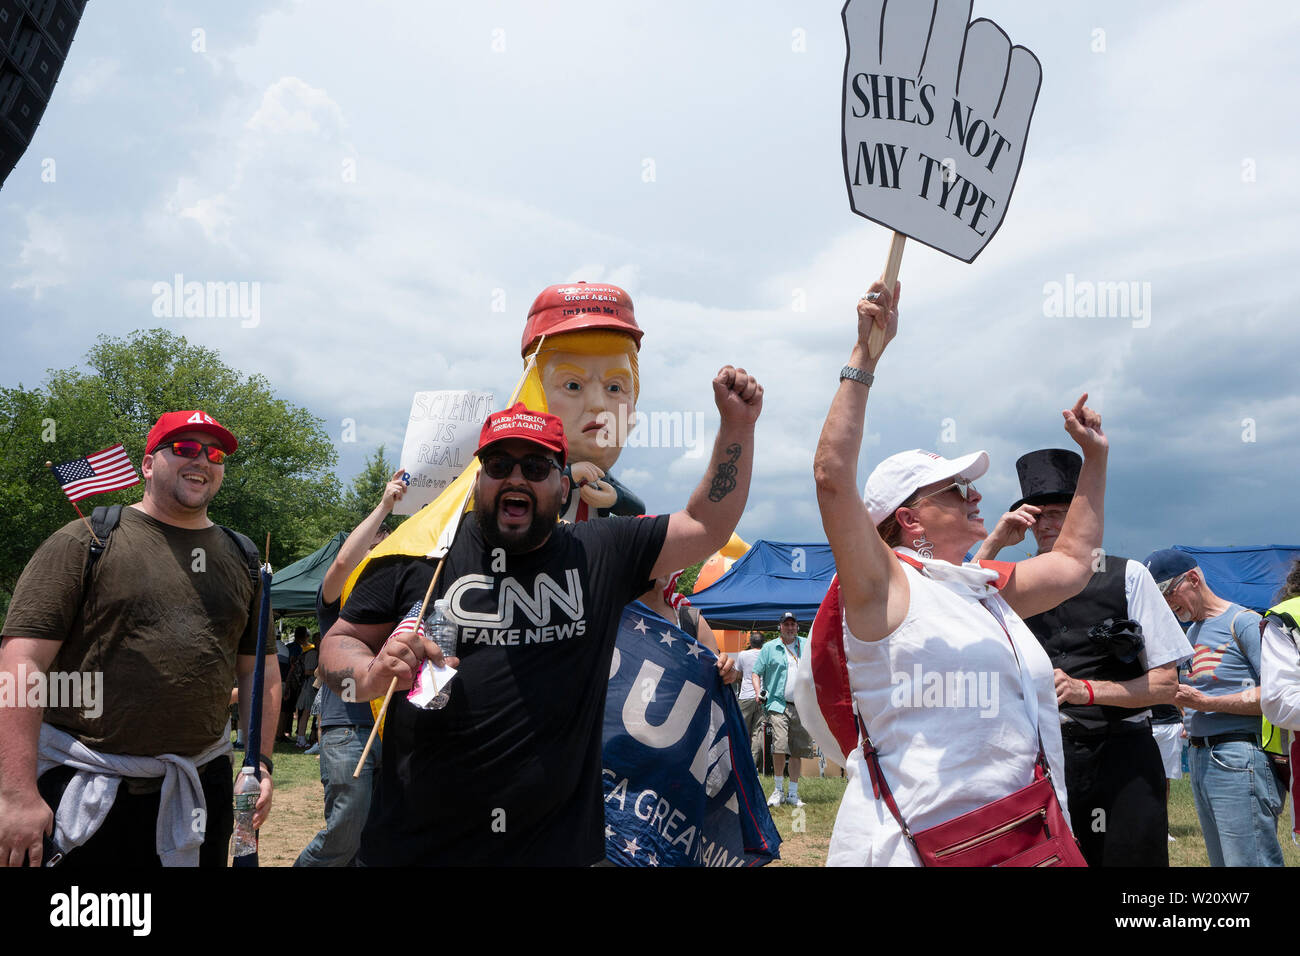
(414, 621)
(103, 471)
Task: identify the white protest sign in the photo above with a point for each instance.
(936, 114)
(441, 437)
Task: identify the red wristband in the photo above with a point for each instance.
(1089, 686)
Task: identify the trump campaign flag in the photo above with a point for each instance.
(105, 470)
(681, 788)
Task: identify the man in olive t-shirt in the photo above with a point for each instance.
(164, 623)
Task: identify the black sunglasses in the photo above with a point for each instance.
(192, 449)
(533, 467)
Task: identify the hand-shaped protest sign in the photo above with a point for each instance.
(936, 114)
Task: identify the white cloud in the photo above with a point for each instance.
(91, 80)
(388, 199)
(42, 258)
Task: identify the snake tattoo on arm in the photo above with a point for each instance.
(724, 482)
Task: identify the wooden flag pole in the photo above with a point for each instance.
(876, 340)
(392, 684)
(94, 537)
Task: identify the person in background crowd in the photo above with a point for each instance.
(345, 723)
(291, 680)
(1115, 648)
(1237, 797)
(776, 667)
(751, 695)
(306, 692)
(1280, 668)
(1169, 733)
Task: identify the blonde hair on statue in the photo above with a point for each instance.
(592, 342)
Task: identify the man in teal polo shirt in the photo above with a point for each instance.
(776, 667)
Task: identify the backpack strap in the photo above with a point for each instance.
(253, 563)
(102, 522)
(1266, 730)
(688, 619)
(248, 550)
(1232, 629)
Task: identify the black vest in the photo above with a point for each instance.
(1063, 632)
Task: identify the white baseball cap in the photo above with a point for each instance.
(896, 478)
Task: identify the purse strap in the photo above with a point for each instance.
(880, 786)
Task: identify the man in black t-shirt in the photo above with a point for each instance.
(509, 771)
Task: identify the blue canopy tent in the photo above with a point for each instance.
(293, 590)
(1246, 576)
(772, 577)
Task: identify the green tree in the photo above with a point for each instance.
(280, 480)
(686, 583)
(366, 491)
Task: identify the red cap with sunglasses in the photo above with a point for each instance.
(520, 421)
(177, 423)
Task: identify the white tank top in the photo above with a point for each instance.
(943, 702)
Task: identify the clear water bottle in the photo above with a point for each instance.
(444, 629)
(444, 635)
(247, 790)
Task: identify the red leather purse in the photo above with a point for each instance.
(1025, 828)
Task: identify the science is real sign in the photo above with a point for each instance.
(441, 436)
(936, 114)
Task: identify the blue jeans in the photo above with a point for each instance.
(1238, 803)
(347, 801)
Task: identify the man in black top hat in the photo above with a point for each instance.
(1115, 647)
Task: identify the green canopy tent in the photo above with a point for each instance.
(293, 590)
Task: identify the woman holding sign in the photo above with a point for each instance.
(954, 752)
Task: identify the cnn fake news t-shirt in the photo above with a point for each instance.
(509, 771)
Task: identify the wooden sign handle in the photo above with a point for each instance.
(876, 340)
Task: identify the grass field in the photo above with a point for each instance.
(298, 812)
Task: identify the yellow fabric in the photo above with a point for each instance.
(735, 548)
(1291, 606)
(1275, 738)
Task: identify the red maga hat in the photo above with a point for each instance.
(174, 423)
(579, 306)
(520, 421)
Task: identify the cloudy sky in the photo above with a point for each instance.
(402, 178)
